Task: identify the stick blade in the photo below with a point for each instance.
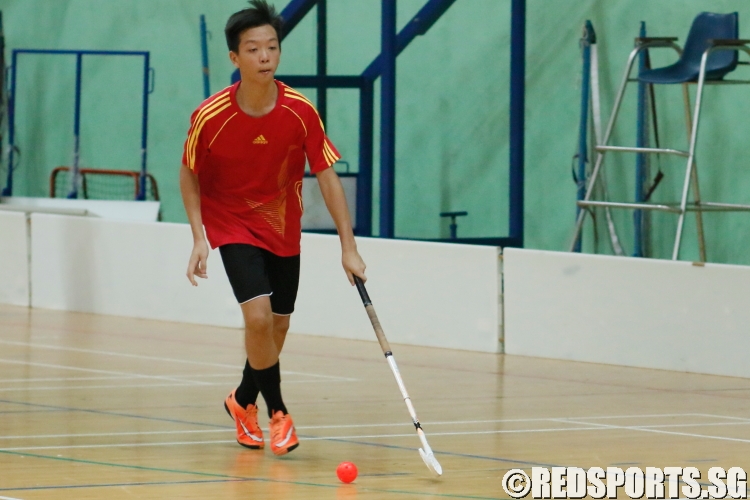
(431, 462)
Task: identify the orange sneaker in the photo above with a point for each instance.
(249, 434)
(283, 435)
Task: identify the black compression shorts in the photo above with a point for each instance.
(255, 272)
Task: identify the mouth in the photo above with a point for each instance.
(265, 72)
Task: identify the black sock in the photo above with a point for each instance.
(247, 392)
(268, 381)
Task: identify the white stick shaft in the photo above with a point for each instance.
(409, 405)
(397, 374)
(402, 388)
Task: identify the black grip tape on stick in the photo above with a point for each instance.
(362, 291)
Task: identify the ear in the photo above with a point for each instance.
(234, 57)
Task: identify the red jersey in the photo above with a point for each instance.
(250, 169)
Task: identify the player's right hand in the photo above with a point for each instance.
(197, 264)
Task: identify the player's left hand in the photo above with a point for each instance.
(353, 265)
(197, 263)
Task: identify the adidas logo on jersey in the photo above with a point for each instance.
(260, 140)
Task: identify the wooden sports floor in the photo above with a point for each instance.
(96, 407)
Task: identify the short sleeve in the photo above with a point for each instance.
(320, 151)
(194, 151)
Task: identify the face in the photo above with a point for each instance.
(258, 54)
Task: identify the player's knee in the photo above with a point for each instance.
(258, 321)
(280, 331)
(280, 325)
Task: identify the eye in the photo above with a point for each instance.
(253, 50)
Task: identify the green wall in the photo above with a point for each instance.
(452, 126)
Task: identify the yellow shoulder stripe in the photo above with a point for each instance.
(200, 121)
(222, 128)
(329, 154)
(299, 98)
(290, 90)
(295, 114)
(305, 100)
(207, 109)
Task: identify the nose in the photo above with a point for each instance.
(264, 55)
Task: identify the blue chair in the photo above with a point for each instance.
(711, 52)
(706, 28)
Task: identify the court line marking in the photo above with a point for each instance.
(656, 431)
(94, 370)
(653, 415)
(64, 379)
(222, 476)
(157, 358)
(723, 416)
(301, 438)
(133, 377)
(223, 428)
(121, 485)
(113, 377)
(9, 498)
(130, 386)
(118, 445)
(456, 433)
(115, 386)
(311, 427)
(248, 480)
(114, 434)
(597, 427)
(591, 427)
(8, 412)
(179, 381)
(704, 424)
(567, 420)
(525, 431)
(340, 426)
(314, 438)
(113, 414)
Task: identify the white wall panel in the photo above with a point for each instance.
(425, 293)
(14, 259)
(431, 294)
(126, 269)
(627, 311)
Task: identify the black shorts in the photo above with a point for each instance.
(255, 272)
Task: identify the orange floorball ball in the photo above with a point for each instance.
(347, 472)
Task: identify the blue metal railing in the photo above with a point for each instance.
(148, 87)
(204, 58)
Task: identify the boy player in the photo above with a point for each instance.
(241, 179)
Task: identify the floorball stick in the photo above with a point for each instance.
(425, 452)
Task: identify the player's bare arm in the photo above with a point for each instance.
(335, 199)
(191, 198)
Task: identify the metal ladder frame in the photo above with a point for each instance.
(691, 174)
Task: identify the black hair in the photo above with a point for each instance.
(258, 14)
